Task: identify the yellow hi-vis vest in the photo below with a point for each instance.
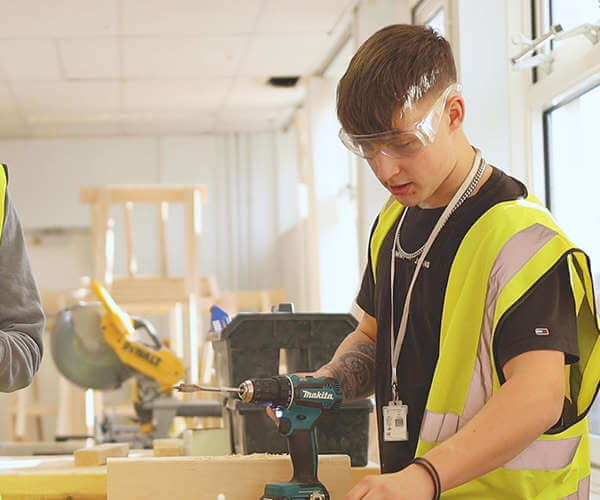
(3, 184)
(500, 259)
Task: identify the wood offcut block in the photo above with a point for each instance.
(204, 478)
(168, 447)
(97, 455)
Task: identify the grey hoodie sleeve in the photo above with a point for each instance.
(21, 315)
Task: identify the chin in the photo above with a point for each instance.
(409, 200)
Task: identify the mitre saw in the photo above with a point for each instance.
(98, 346)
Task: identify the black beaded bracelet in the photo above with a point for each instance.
(435, 477)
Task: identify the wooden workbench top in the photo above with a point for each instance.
(57, 477)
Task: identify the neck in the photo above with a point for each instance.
(456, 176)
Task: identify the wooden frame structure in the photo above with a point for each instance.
(179, 297)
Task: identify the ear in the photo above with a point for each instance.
(456, 112)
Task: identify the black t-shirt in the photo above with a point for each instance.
(550, 305)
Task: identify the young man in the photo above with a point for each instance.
(21, 316)
(479, 328)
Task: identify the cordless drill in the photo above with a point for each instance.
(299, 402)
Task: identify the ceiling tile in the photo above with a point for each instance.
(291, 16)
(286, 54)
(187, 57)
(12, 125)
(58, 99)
(86, 58)
(59, 18)
(76, 129)
(252, 119)
(29, 59)
(8, 105)
(170, 125)
(189, 17)
(175, 95)
(253, 92)
(341, 61)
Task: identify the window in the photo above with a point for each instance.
(572, 154)
(573, 13)
(442, 15)
(437, 21)
(430, 13)
(575, 44)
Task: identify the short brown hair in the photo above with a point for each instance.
(383, 71)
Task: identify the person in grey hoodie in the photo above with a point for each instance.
(21, 315)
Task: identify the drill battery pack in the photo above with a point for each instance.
(292, 491)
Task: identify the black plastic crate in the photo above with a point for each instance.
(344, 433)
(249, 347)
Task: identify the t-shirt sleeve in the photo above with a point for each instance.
(366, 295)
(545, 320)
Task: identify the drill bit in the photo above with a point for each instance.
(196, 388)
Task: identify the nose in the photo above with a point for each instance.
(385, 167)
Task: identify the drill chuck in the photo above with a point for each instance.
(275, 391)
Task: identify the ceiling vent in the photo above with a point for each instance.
(283, 81)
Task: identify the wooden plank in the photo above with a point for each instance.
(49, 478)
(358, 473)
(102, 232)
(97, 455)
(193, 478)
(21, 416)
(163, 217)
(168, 447)
(131, 260)
(52, 477)
(176, 329)
(142, 194)
(148, 289)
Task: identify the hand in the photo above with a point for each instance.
(411, 483)
(271, 412)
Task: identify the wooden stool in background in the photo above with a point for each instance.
(178, 297)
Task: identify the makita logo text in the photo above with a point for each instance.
(316, 395)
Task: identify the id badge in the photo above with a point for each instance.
(394, 421)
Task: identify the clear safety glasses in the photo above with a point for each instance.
(401, 143)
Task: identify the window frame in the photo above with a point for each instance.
(570, 77)
(424, 10)
(573, 74)
(547, 122)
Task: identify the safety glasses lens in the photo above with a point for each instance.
(394, 146)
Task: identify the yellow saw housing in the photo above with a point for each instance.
(159, 364)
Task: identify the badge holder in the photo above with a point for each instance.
(394, 419)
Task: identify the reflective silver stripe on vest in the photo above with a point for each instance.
(583, 490)
(545, 455)
(513, 256)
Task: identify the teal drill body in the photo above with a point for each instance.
(299, 402)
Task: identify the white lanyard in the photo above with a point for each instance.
(456, 200)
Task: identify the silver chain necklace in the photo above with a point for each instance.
(401, 253)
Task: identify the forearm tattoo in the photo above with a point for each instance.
(355, 370)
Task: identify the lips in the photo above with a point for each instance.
(400, 189)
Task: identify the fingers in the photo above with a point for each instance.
(271, 414)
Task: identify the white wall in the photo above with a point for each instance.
(252, 235)
(370, 17)
(335, 208)
(484, 63)
(240, 219)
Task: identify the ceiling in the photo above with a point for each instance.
(119, 67)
